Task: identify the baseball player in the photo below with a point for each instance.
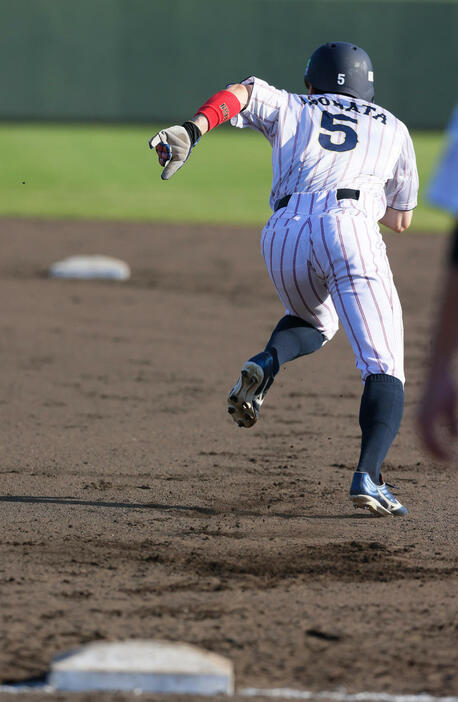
(341, 164)
(440, 395)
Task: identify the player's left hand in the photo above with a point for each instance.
(173, 147)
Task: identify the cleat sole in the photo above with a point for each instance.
(240, 400)
(367, 502)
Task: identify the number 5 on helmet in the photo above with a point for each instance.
(173, 146)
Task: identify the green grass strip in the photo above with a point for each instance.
(108, 172)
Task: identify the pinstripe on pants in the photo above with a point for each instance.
(327, 261)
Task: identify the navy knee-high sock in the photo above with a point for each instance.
(382, 405)
(291, 338)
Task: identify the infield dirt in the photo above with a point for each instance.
(133, 507)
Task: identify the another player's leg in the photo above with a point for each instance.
(291, 338)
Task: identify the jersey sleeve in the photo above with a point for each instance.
(263, 108)
(402, 189)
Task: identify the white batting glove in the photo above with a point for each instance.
(173, 146)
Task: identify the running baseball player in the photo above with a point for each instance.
(341, 164)
(439, 399)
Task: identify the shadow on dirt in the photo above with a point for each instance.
(211, 511)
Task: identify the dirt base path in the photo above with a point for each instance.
(132, 506)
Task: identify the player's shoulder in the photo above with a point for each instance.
(259, 83)
(265, 93)
(395, 121)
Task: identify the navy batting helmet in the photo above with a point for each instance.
(340, 67)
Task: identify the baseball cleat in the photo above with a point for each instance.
(378, 499)
(247, 395)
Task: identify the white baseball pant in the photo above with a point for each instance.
(328, 262)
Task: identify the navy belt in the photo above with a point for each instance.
(342, 194)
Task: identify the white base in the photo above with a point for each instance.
(90, 267)
(165, 683)
(148, 666)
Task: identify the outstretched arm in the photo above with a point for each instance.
(241, 92)
(174, 145)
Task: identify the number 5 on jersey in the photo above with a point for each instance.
(329, 125)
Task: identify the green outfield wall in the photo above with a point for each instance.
(157, 60)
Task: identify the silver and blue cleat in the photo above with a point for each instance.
(378, 499)
(248, 394)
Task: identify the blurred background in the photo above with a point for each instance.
(85, 84)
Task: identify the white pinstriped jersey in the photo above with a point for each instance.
(443, 189)
(324, 253)
(325, 142)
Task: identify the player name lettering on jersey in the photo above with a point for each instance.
(360, 109)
